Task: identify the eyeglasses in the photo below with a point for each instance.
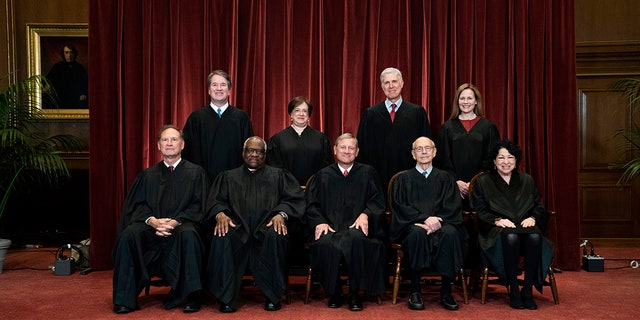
(424, 149)
(252, 150)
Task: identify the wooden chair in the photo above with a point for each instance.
(486, 273)
(397, 278)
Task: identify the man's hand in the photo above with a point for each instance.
(431, 225)
(223, 222)
(362, 223)
(163, 226)
(322, 229)
(464, 187)
(278, 224)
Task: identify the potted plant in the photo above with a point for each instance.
(631, 135)
(29, 156)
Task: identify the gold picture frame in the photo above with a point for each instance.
(44, 44)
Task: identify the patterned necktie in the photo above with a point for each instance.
(392, 114)
(345, 172)
(219, 112)
(424, 174)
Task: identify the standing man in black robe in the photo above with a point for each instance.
(426, 219)
(214, 134)
(247, 210)
(158, 233)
(344, 206)
(388, 128)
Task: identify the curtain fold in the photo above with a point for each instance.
(152, 57)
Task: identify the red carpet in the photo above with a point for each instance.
(38, 294)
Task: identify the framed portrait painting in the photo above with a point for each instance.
(60, 53)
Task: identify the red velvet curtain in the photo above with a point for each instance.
(150, 60)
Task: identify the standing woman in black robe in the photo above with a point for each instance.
(465, 139)
(302, 150)
(299, 148)
(511, 223)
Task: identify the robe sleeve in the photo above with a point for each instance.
(443, 157)
(313, 213)
(291, 199)
(375, 206)
(195, 202)
(218, 201)
(135, 206)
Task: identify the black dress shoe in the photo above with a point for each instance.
(415, 301)
(270, 306)
(335, 301)
(449, 303)
(515, 300)
(225, 308)
(193, 303)
(121, 309)
(355, 303)
(527, 299)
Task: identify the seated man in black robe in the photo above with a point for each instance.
(344, 206)
(158, 234)
(426, 219)
(247, 210)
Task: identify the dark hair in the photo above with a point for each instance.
(169, 126)
(72, 48)
(221, 73)
(298, 101)
(511, 146)
(455, 110)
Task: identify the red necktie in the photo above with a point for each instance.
(346, 172)
(170, 168)
(393, 112)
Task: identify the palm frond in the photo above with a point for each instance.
(29, 156)
(631, 88)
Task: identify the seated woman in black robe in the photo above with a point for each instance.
(511, 222)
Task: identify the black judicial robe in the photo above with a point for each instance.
(386, 145)
(139, 254)
(337, 200)
(303, 155)
(413, 200)
(493, 198)
(463, 153)
(216, 143)
(251, 200)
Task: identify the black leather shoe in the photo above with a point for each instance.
(527, 299)
(225, 308)
(121, 309)
(449, 303)
(270, 306)
(515, 300)
(193, 303)
(355, 303)
(335, 301)
(415, 301)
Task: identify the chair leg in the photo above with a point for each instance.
(485, 283)
(308, 288)
(554, 288)
(463, 282)
(287, 296)
(396, 278)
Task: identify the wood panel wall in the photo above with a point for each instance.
(607, 49)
